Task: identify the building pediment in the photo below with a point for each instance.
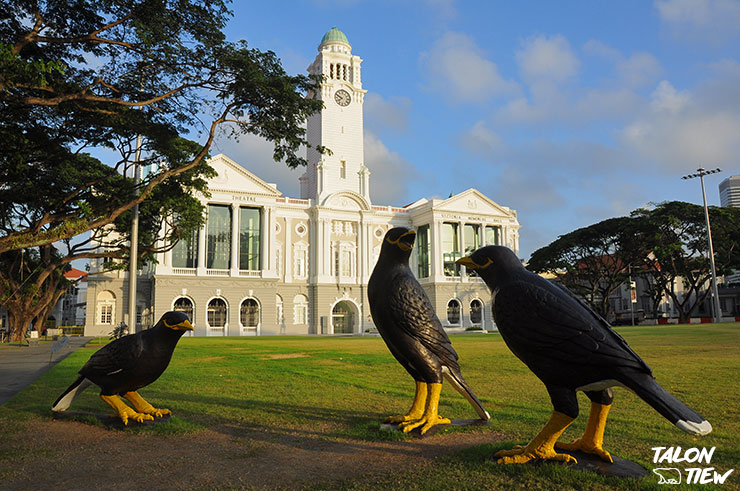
(234, 178)
(473, 201)
(346, 200)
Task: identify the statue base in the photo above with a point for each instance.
(434, 429)
(591, 463)
(107, 420)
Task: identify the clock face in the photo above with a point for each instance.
(342, 97)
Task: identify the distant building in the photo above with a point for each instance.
(70, 310)
(729, 191)
(267, 264)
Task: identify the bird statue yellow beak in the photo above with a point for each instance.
(182, 326)
(468, 262)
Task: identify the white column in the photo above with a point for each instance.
(461, 248)
(234, 239)
(288, 253)
(202, 250)
(437, 272)
(265, 241)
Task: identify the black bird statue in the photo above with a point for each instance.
(405, 319)
(127, 364)
(570, 348)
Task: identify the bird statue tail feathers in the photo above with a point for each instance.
(65, 400)
(675, 411)
(455, 378)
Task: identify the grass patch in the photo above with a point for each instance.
(343, 387)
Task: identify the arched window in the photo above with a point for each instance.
(183, 304)
(453, 312)
(249, 315)
(476, 312)
(106, 308)
(217, 314)
(343, 318)
(300, 309)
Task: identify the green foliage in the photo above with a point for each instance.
(592, 261)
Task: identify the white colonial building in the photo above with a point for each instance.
(267, 264)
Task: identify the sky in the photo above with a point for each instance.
(569, 112)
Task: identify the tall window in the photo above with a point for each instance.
(106, 307)
(249, 239)
(450, 248)
(300, 312)
(471, 238)
(184, 305)
(249, 314)
(279, 318)
(185, 252)
(301, 260)
(218, 254)
(422, 250)
(342, 169)
(453, 312)
(493, 235)
(217, 313)
(476, 312)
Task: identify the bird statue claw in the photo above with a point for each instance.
(426, 423)
(587, 447)
(522, 455)
(401, 419)
(128, 413)
(157, 412)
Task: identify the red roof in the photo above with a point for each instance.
(75, 274)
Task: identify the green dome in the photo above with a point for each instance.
(334, 35)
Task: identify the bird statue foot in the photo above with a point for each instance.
(144, 407)
(129, 414)
(426, 422)
(586, 446)
(522, 455)
(402, 419)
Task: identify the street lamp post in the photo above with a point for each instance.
(134, 252)
(700, 173)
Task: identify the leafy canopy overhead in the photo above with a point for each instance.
(81, 75)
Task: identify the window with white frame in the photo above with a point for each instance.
(279, 318)
(106, 307)
(453, 312)
(249, 314)
(300, 309)
(217, 313)
(300, 253)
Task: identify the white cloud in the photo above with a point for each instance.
(549, 59)
(701, 20)
(383, 115)
(639, 69)
(665, 98)
(390, 174)
(481, 140)
(456, 67)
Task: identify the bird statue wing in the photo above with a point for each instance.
(414, 315)
(544, 317)
(115, 357)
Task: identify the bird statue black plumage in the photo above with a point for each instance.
(569, 347)
(405, 319)
(127, 364)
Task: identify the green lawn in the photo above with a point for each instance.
(345, 386)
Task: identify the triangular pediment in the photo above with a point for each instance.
(473, 201)
(232, 177)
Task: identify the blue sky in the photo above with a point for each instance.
(569, 112)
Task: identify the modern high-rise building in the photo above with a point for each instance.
(729, 191)
(267, 264)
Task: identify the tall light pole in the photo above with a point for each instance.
(133, 267)
(700, 173)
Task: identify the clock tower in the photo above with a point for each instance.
(338, 126)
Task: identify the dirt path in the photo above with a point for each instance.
(73, 455)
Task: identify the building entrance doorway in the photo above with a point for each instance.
(343, 317)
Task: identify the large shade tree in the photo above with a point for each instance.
(675, 233)
(592, 261)
(149, 78)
